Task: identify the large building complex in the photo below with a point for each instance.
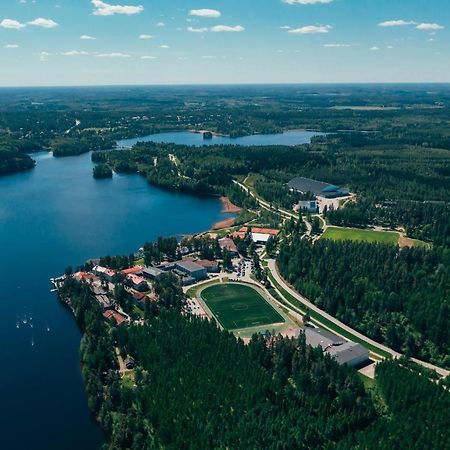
(317, 188)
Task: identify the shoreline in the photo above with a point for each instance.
(228, 207)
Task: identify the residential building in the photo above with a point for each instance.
(228, 243)
(137, 282)
(104, 272)
(112, 314)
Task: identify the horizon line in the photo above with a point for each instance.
(244, 84)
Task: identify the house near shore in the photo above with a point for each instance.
(118, 318)
(137, 282)
(228, 244)
(136, 270)
(85, 277)
(104, 272)
(104, 301)
(260, 235)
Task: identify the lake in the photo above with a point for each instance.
(292, 137)
(53, 216)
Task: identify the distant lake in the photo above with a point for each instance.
(292, 137)
(51, 217)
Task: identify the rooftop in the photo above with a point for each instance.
(348, 353)
(318, 188)
(188, 265)
(318, 337)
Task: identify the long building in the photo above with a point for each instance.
(344, 352)
(317, 188)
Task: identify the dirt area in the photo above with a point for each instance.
(224, 224)
(368, 371)
(228, 207)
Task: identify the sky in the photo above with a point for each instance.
(95, 42)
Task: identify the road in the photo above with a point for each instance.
(266, 205)
(274, 270)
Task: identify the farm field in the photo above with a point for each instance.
(237, 306)
(354, 234)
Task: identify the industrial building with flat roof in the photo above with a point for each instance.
(344, 352)
(318, 188)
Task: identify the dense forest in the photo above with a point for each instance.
(399, 297)
(198, 387)
(12, 161)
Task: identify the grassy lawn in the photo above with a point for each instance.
(354, 234)
(238, 306)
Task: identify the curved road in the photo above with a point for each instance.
(274, 270)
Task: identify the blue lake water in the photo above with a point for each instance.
(50, 217)
(293, 137)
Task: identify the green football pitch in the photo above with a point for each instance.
(353, 234)
(237, 306)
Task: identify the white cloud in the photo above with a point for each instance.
(85, 37)
(11, 46)
(227, 29)
(160, 24)
(75, 53)
(429, 26)
(43, 56)
(105, 9)
(337, 45)
(113, 55)
(396, 23)
(43, 23)
(209, 13)
(164, 46)
(306, 2)
(285, 27)
(311, 29)
(148, 57)
(374, 48)
(12, 24)
(146, 36)
(197, 30)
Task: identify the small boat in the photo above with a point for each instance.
(48, 328)
(54, 290)
(17, 324)
(32, 342)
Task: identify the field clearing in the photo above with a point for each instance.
(237, 306)
(354, 234)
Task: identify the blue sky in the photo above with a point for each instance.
(91, 42)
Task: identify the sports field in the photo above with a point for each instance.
(354, 234)
(237, 306)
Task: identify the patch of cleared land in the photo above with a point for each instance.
(237, 306)
(355, 234)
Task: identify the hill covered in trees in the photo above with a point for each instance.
(397, 297)
(12, 161)
(198, 387)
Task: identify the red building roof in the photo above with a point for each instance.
(114, 315)
(270, 231)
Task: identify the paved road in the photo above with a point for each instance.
(274, 270)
